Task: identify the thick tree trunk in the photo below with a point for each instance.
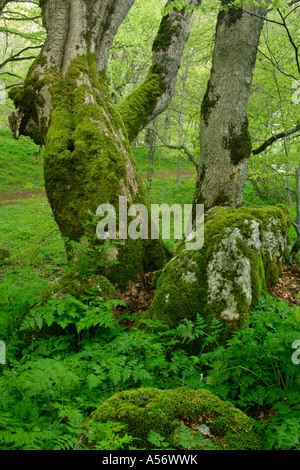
(225, 144)
(66, 104)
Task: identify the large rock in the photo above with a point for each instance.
(242, 255)
(163, 411)
(71, 284)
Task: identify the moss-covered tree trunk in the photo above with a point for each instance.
(225, 144)
(65, 104)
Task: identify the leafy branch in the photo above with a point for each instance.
(274, 138)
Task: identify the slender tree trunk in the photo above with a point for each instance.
(225, 144)
(181, 140)
(150, 141)
(65, 104)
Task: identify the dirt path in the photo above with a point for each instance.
(15, 198)
(18, 196)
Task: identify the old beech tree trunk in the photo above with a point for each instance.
(225, 144)
(65, 104)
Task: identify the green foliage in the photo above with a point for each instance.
(49, 386)
(28, 231)
(187, 440)
(20, 169)
(255, 370)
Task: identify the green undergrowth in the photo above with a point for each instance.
(29, 232)
(164, 162)
(20, 169)
(51, 384)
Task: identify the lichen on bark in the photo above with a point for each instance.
(243, 253)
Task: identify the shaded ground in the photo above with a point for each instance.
(287, 288)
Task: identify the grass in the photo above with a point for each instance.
(165, 161)
(28, 229)
(20, 169)
(50, 386)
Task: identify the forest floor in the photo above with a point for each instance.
(287, 288)
(18, 196)
(288, 285)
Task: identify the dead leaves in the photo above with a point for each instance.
(288, 286)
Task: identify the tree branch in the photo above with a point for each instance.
(154, 95)
(274, 138)
(291, 40)
(181, 147)
(16, 57)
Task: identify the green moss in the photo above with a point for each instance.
(238, 144)
(83, 161)
(26, 98)
(136, 108)
(230, 14)
(165, 34)
(130, 265)
(208, 102)
(163, 411)
(183, 286)
(74, 284)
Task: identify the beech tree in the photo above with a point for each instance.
(66, 105)
(225, 144)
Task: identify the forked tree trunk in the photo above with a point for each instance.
(225, 144)
(66, 104)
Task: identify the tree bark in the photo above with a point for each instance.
(153, 96)
(65, 104)
(150, 141)
(225, 144)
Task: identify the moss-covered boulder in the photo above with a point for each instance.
(78, 286)
(89, 290)
(242, 255)
(163, 411)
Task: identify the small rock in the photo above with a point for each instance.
(204, 430)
